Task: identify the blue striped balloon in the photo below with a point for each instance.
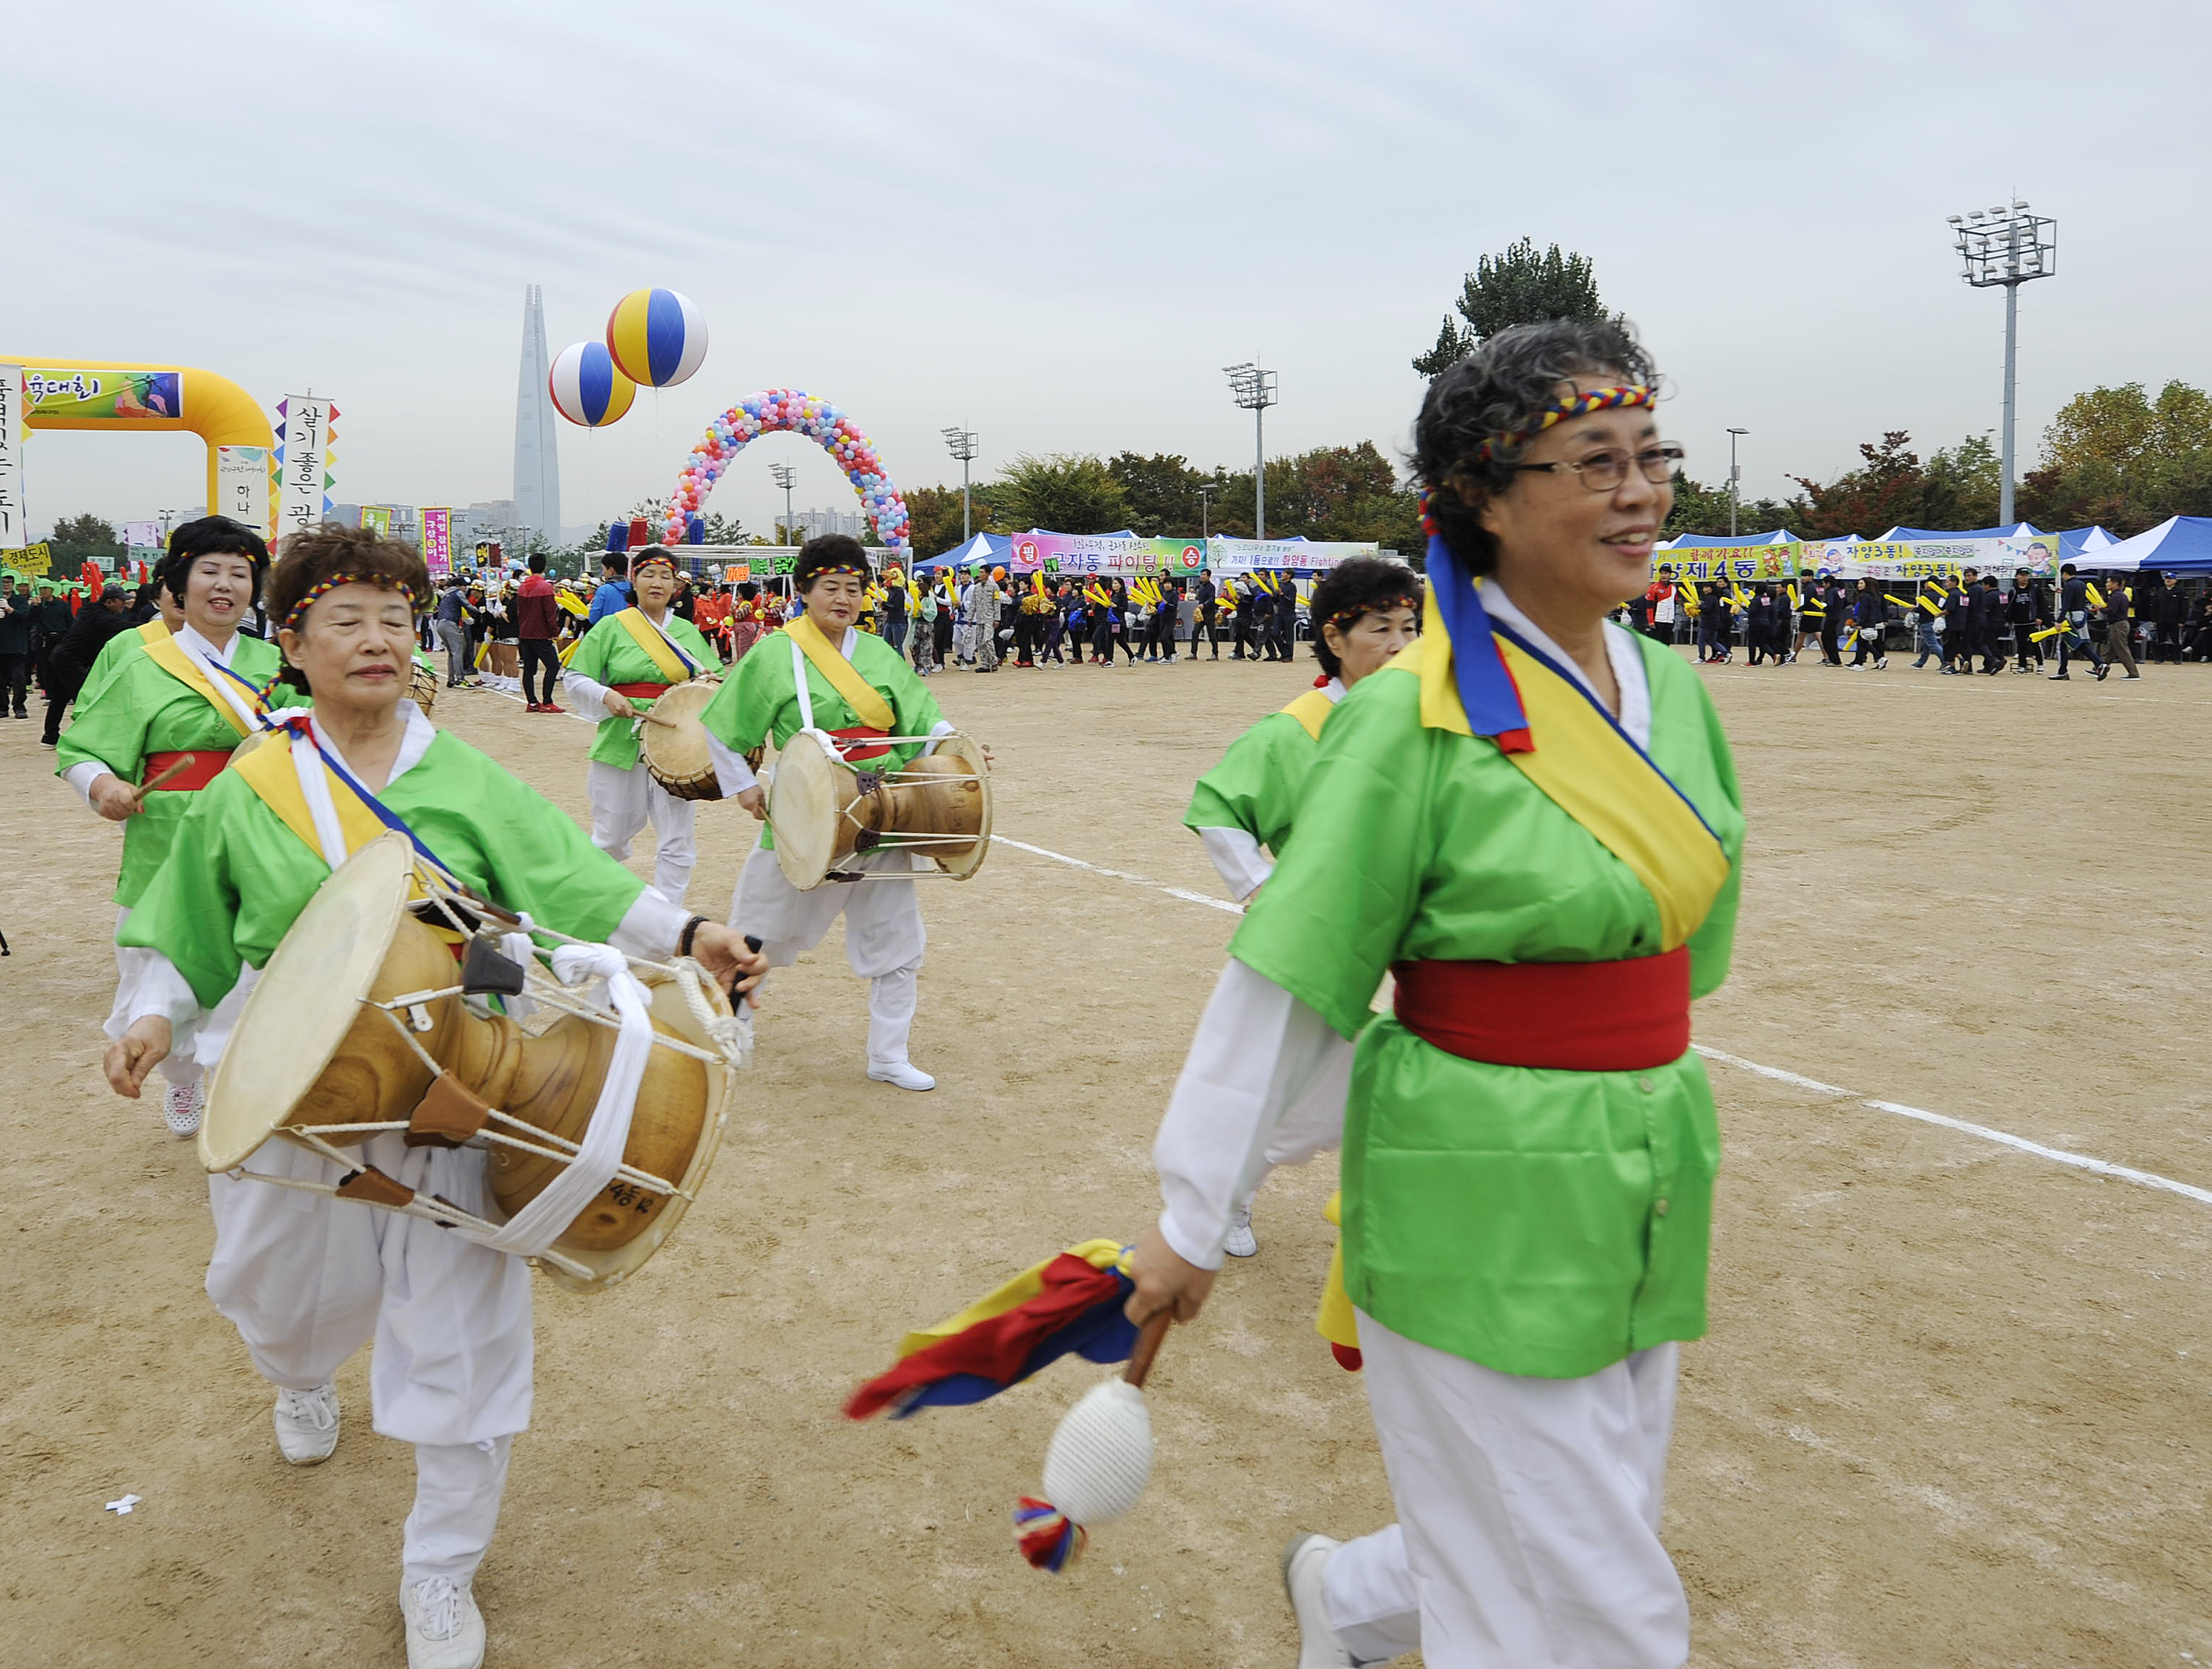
(586, 389)
(657, 337)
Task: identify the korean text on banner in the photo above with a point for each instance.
(305, 479)
(1086, 553)
(15, 525)
(1235, 556)
(377, 518)
(241, 485)
(437, 540)
(31, 559)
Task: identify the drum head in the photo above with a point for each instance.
(965, 749)
(804, 804)
(676, 753)
(306, 1001)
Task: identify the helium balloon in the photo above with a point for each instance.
(657, 336)
(586, 389)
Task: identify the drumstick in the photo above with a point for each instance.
(151, 783)
(652, 718)
(1099, 1462)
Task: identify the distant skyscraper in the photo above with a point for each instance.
(537, 461)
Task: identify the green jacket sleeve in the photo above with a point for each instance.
(1255, 787)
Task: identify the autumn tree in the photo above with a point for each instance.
(1065, 493)
(1519, 286)
(2118, 458)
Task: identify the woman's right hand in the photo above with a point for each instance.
(619, 706)
(136, 1053)
(114, 799)
(755, 800)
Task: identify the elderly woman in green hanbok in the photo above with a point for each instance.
(1531, 817)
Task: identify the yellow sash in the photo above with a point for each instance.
(1593, 774)
(269, 771)
(863, 697)
(1312, 710)
(1334, 1320)
(654, 645)
(163, 651)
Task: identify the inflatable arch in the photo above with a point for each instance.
(108, 395)
(786, 410)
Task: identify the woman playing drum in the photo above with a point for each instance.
(308, 1283)
(819, 673)
(157, 724)
(621, 666)
(1531, 815)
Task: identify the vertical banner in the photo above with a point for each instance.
(304, 474)
(437, 541)
(14, 527)
(241, 485)
(377, 518)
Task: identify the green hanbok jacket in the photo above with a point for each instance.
(1539, 1222)
(237, 877)
(1256, 785)
(608, 654)
(140, 709)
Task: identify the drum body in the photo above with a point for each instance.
(313, 1055)
(825, 811)
(673, 741)
(425, 689)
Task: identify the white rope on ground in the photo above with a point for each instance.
(2003, 1139)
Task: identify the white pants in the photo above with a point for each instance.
(883, 936)
(308, 1280)
(1528, 1517)
(621, 803)
(183, 1067)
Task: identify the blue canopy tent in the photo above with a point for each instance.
(990, 549)
(1715, 541)
(2179, 544)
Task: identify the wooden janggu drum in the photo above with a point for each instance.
(825, 811)
(425, 689)
(673, 741)
(359, 1026)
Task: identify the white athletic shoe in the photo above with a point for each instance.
(904, 1075)
(444, 1630)
(307, 1424)
(1242, 1242)
(1303, 1561)
(181, 1107)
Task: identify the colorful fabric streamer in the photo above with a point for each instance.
(1067, 1305)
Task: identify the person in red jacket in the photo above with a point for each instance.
(537, 623)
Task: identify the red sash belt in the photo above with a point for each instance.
(852, 744)
(206, 765)
(642, 692)
(1607, 1017)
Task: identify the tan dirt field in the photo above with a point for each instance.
(1952, 1411)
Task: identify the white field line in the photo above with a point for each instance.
(2003, 1138)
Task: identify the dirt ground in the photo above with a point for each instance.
(1952, 1411)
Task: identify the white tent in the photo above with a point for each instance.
(2179, 544)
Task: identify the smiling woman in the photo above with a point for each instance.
(1530, 816)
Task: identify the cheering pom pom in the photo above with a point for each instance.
(1048, 1539)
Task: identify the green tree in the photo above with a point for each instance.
(1063, 493)
(932, 518)
(1163, 492)
(1887, 490)
(1519, 286)
(2118, 458)
(79, 539)
(1701, 509)
(1331, 493)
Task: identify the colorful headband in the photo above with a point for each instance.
(837, 567)
(1405, 600)
(658, 559)
(322, 588)
(1575, 405)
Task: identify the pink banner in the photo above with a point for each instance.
(437, 542)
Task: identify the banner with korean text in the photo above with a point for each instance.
(304, 474)
(437, 525)
(1232, 557)
(15, 525)
(1097, 553)
(241, 485)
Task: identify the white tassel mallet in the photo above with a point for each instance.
(1099, 1462)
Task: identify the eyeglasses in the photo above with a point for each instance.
(1601, 472)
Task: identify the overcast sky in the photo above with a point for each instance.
(1056, 222)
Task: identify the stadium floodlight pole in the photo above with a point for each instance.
(1206, 509)
(2006, 246)
(963, 444)
(1735, 475)
(1254, 389)
(785, 475)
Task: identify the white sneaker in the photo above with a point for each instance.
(307, 1424)
(181, 1107)
(1242, 1242)
(1303, 1561)
(903, 1074)
(444, 1630)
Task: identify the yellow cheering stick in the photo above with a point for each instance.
(2096, 601)
(572, 604)
(1932, 601)
(2047, 632)
(1900, 602)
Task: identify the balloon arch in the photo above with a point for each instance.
(788, 409)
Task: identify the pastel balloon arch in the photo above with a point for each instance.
(788, 410)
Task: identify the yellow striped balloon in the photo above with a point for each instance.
(657, 336)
